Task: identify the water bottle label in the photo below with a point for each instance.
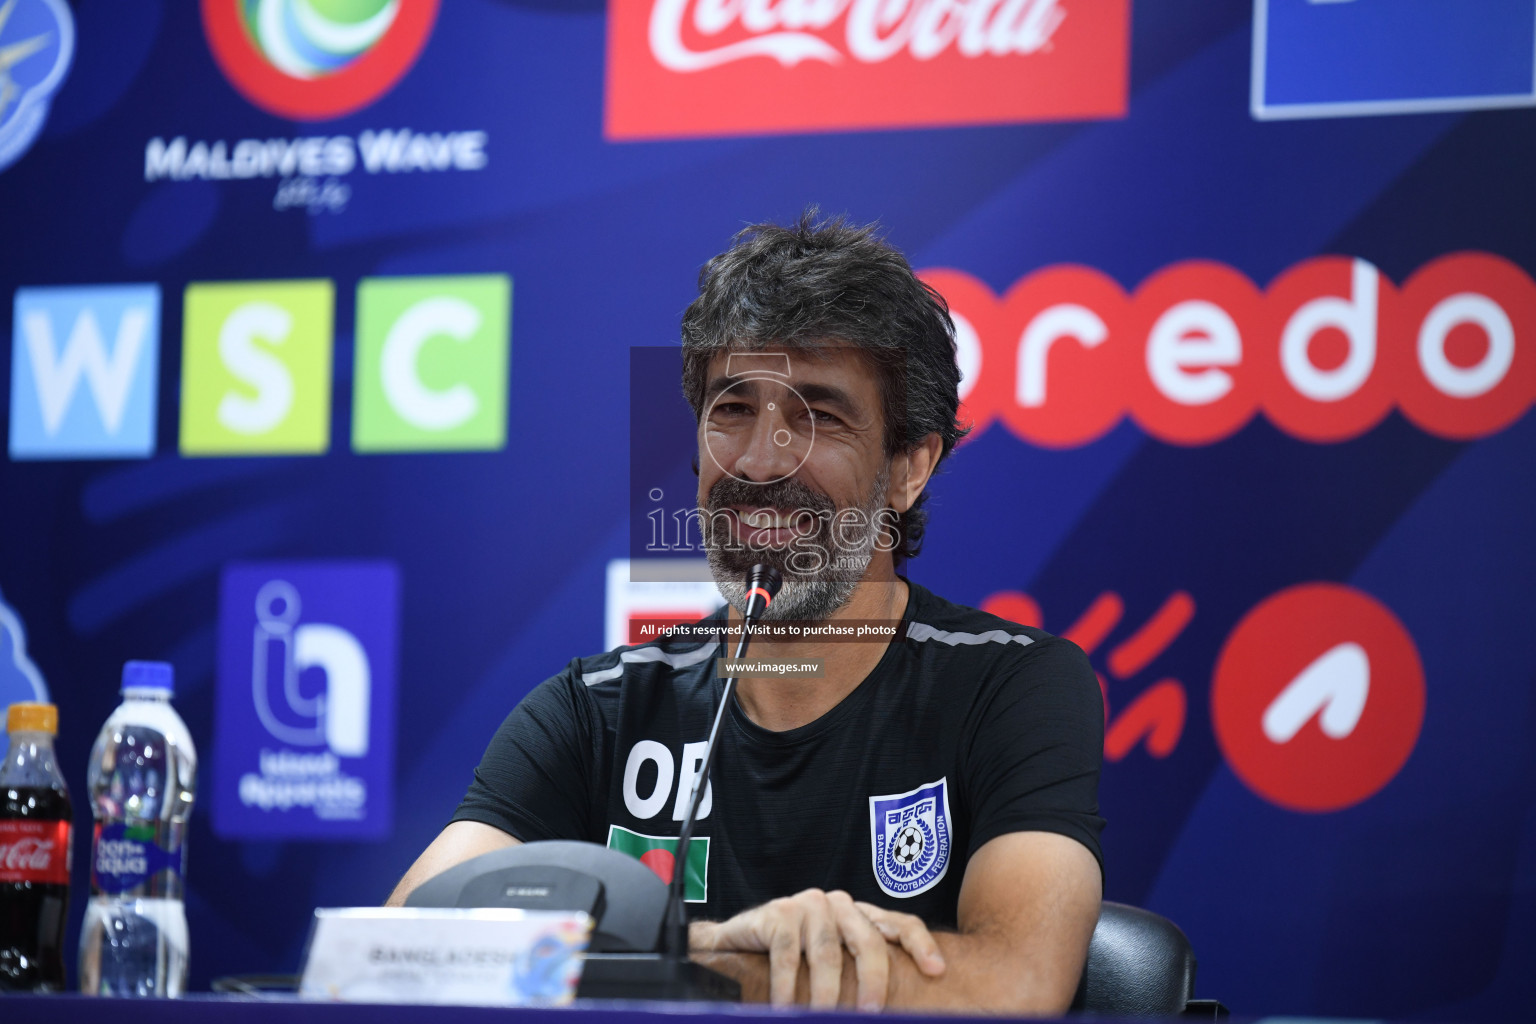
(127, 856)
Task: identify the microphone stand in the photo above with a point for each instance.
(668, 973)
(762, 585)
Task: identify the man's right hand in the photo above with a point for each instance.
(812, 929)
(815, 928)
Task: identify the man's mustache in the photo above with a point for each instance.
(790, 495)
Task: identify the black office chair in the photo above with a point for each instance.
(1140, 965)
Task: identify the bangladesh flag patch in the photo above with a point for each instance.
(659, 853)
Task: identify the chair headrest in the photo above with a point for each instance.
(1139, 964)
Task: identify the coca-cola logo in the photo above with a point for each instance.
(872, 31)
(34, 851)
(27, 854)
(709, 67)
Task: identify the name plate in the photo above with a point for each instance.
(479, 957)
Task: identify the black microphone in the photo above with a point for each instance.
(763, 584)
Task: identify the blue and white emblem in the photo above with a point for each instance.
(37, 43)
(911, 838)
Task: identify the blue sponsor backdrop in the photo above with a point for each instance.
(1419, 901)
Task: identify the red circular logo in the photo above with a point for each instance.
(1318, 697)
(289, 59)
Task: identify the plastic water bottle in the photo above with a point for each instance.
(142, 782)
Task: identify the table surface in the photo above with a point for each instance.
(221, 1009)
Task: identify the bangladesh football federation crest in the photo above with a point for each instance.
(911, 838)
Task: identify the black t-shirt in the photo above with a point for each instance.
(969, 727)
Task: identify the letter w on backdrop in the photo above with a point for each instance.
(743, 67)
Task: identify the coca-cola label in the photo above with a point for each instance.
(741, 67)
(124, 857)
(34, 851)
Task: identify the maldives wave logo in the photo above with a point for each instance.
(309, 40)
(311, 60)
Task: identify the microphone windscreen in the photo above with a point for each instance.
(767, 577)
(763, 584)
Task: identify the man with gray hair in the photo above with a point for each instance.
(916, 826)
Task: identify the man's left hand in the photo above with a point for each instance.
(815, 928)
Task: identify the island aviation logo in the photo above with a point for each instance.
(742, 67)
(311, 60)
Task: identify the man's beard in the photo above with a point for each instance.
(821, 568)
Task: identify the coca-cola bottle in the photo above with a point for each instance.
(34, 853)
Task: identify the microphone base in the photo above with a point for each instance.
(653, 976)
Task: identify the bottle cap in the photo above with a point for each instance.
(149, 675)
(30, 717)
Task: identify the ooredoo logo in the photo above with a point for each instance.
(1154, 719)
(1198, 349)
(1318, 697)
(316, 59)
(726, 67)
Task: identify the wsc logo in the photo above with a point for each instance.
(305, 718)
(316, 59)
(37, 43)
(256, 368)
(431, 363)
(105, 337)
